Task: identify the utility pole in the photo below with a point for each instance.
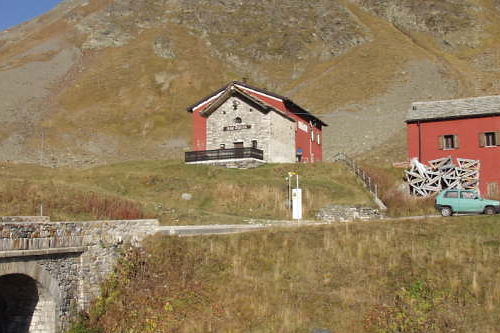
(43, 147)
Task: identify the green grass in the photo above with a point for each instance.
(436, 275)
(155, 188)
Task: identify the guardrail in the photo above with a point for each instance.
(369, 183)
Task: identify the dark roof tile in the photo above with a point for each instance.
(456, 108)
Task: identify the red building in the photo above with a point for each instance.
(464, 128)
(241, 120)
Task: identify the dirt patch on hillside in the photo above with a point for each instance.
(25, 87)
(359, 128)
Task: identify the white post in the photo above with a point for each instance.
(297, 204)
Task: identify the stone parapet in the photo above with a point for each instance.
(24, 235)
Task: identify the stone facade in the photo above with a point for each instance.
(237, 122)
(282, 139)
(68, 261)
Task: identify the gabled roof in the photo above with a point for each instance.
(235, 91)
(453, 109)
(288, 104)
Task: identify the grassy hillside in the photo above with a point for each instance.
(155, 189)
(428, 276)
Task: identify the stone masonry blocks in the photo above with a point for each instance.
(69, 280)
(275, 134)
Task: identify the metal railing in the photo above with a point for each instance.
(223, 154)
(369, 183)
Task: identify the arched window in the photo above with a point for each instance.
(237, 120)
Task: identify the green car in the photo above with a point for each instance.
(449, 202)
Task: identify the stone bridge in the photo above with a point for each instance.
(51, 270)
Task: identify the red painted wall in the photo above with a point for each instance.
(199, 130)
(426, 135)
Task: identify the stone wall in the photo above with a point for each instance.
(42, 235)
(282, 140)
(68, 260)
(338, 213)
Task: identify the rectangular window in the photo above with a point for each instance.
(493, 189)
(451, 194)
(468, 195)
(449, 141)
(238, 145)
(489, 139)
(254, 144)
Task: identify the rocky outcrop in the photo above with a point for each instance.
(163, 48)
(262, 30)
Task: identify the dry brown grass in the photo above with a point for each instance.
(427, 276)
(393, 191)
(219, 195)
(64, 202)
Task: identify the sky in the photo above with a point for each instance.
(14, 12)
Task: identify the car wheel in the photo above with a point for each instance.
(489, 210)
(446, 211)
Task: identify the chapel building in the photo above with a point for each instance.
(241, 125)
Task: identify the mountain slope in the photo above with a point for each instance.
(102, 81)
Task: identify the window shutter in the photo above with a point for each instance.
(497, 138)
(482, 140)
(456, 142)
(441, 142)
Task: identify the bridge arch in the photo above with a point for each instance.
(30, 299)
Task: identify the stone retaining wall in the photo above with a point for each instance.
(338, 213)
(240, 163)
